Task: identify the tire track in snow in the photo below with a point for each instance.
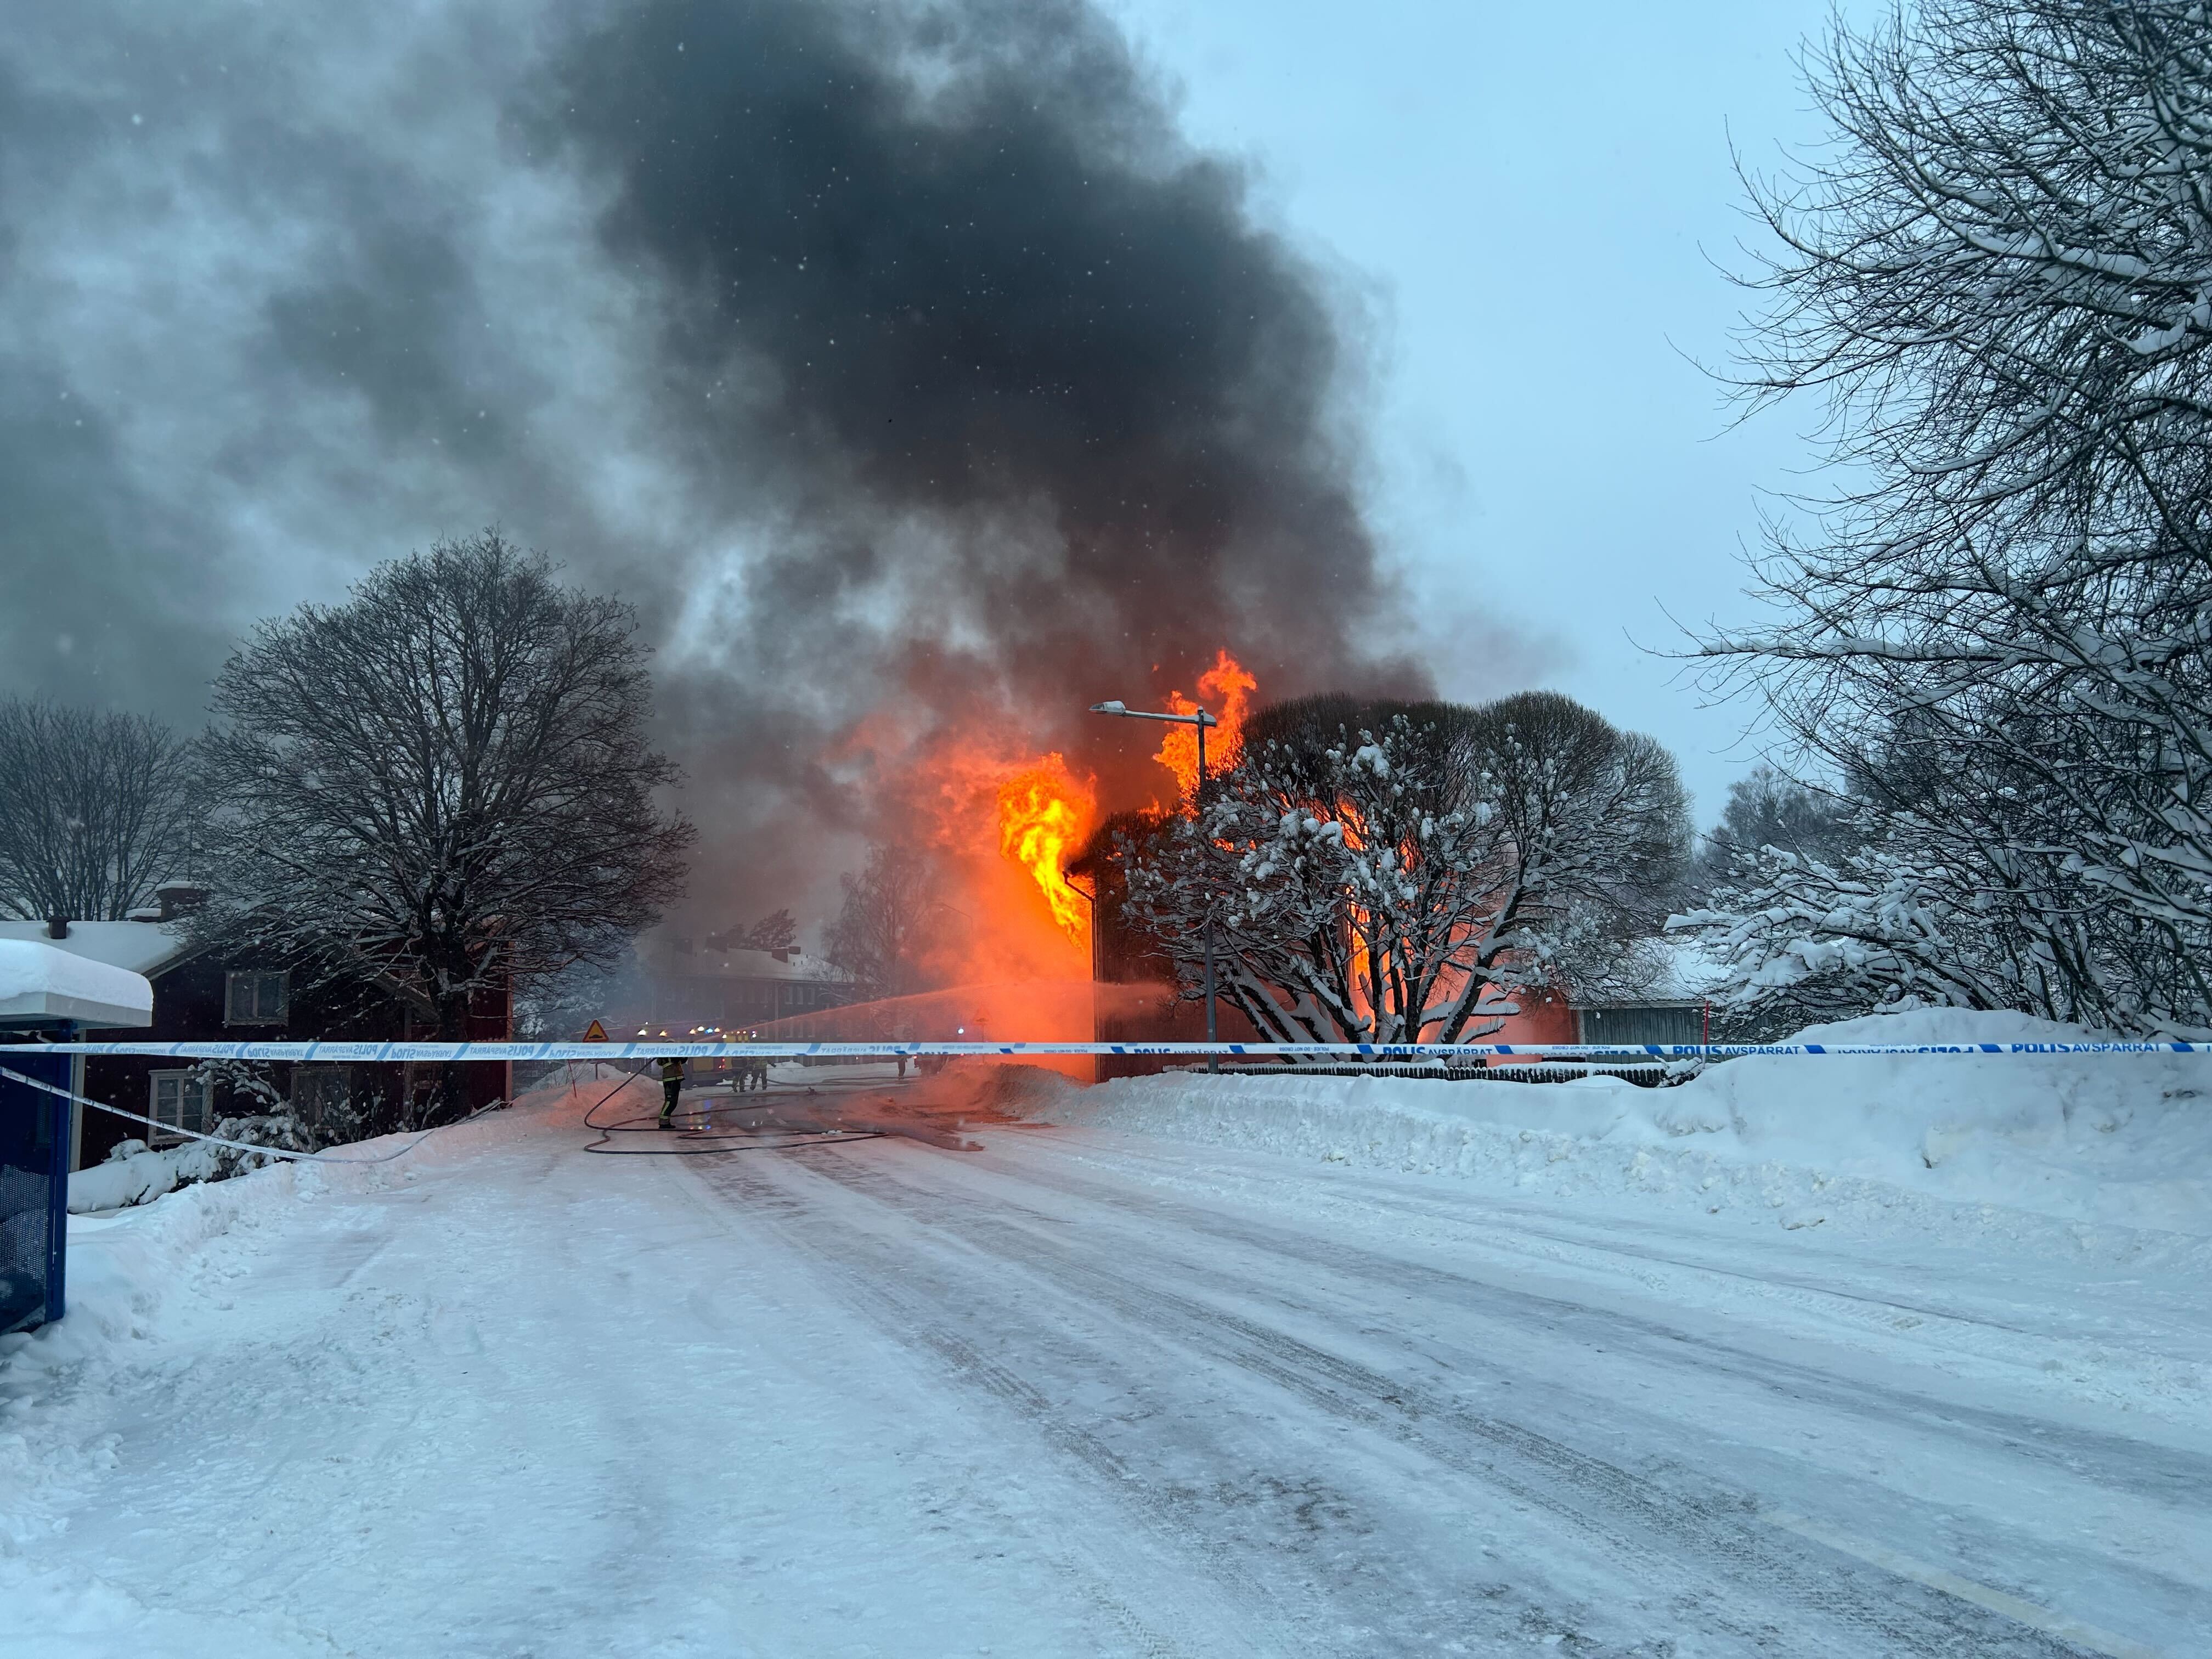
(2093, 1465)
(1648, 1528)
(2161, 1472)
(884, 1274)
(866, 1285)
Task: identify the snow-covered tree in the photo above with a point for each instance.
(1766, 807)
(1800, 939)
(1389, 872)
(443, 785)
(1949, 883)
(95, 808)
(1999, 277)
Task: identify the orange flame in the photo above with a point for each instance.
(1044, 812)
(1227, 689)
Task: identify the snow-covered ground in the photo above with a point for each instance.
(1790, 1361)
(1888, 1141)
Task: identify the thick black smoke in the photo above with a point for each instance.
(956, 261)
(902, 362)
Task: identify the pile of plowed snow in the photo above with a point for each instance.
(2106, 1140)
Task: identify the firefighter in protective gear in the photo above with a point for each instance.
(671, 1086)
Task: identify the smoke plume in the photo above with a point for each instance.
(904, 363)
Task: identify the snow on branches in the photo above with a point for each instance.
(1999, 278)
(1800, 940)
(1387, 873)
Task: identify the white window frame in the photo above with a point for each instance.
(259, 978)
(176, 1117)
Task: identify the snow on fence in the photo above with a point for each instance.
(1449, 1071)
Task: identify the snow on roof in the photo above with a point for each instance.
(142, 947)
(41, 982)
(659, 956)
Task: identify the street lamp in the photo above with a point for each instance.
(1199, 719)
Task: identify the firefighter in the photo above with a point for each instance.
(671, 1086)
(754, 1072)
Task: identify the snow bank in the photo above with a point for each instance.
(137, 1278)
(133, 1276)
(2122, 1140)
(132, 1175)
(125, 1275)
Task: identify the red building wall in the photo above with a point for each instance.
(1545, 1017)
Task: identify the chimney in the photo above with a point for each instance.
(58, 927)
(179, 898)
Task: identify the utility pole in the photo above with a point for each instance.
(1199, 719)
(1212, 1061)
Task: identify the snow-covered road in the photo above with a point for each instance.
(1085, 1393)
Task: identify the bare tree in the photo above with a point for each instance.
(443, 785)
(885, 925)
(95, 808)
(776, 931)
(1390, 872)
(1995, 276)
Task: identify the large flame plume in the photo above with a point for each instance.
(1044, 813)
(999, 821)
(1226, 692)
(1046, 810)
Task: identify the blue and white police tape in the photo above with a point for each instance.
(333, 1053)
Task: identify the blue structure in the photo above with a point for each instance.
(46, 993)
(34, 1157)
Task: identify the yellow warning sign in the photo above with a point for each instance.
(594, 1032)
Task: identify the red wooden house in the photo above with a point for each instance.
(202, 995)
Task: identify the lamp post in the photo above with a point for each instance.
(1199, 719)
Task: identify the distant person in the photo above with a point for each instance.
(751, 1073)
(671, 1087)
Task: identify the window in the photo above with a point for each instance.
(179, 1100)
(256, 999)
(319, 1094)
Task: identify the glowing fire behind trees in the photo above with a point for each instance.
(996, 824)
(1045, 812)
(1225, 692)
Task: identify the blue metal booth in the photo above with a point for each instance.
(46, 992)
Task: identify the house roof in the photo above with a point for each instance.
(139, 947)
(660, 955)
(40, 982)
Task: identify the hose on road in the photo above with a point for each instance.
(696, 1129)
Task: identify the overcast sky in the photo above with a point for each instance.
(1532, 200)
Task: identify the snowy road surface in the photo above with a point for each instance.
(1079, 1393)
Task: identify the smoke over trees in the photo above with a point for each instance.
(887, 921)
(903, 364)
(776, 931)
(1035, 371)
